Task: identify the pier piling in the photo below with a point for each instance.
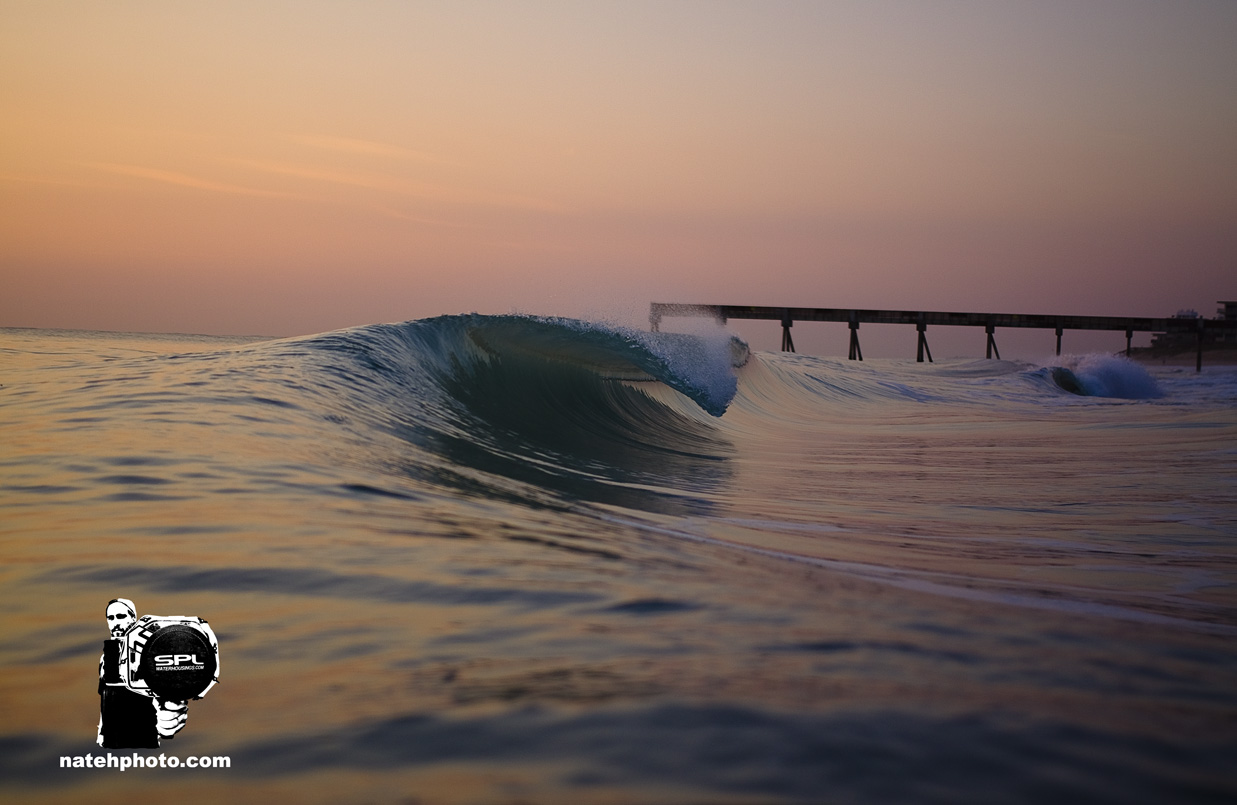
(1198, 365)
(990, 329)
(922, 327)
(788, 343)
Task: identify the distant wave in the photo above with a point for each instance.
(1099, 375)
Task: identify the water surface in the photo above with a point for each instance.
(506, 559)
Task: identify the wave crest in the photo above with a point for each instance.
(1098, 375)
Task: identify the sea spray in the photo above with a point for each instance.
(1102, 375)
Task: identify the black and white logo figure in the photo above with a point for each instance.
(151, 667)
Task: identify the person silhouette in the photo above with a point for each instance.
(128, 719)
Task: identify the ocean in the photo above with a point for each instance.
(511, 559)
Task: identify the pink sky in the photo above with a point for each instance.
(285, 168)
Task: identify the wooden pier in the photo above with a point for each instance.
(922, 319)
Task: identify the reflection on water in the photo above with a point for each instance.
(876, 583)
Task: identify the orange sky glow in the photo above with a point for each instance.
(292, 167)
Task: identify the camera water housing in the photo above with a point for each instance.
(173, 658)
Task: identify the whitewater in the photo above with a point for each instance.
(500, 559)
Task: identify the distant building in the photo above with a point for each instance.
(1187, 336)
(1227, 310)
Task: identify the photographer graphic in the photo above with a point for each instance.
(151, 667)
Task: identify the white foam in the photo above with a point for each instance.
(704, 361)
(1104, 375)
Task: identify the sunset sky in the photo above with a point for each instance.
(292, 167)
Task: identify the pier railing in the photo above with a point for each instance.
(922, 319)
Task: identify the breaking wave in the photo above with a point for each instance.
(1099, 375)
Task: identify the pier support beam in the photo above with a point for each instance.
(1060, 330)
(856, 354)
(1129, 341)
(990, 329)
(923, 342)
(1198, 364)
(788, 343)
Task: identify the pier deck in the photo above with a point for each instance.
(922, 319)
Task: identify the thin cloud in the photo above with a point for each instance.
(185, 180)
(386, 184)
(390, 212)
(366, 147)
(367, 181)
(54, 182)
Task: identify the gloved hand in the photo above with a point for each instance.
(170, 717)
